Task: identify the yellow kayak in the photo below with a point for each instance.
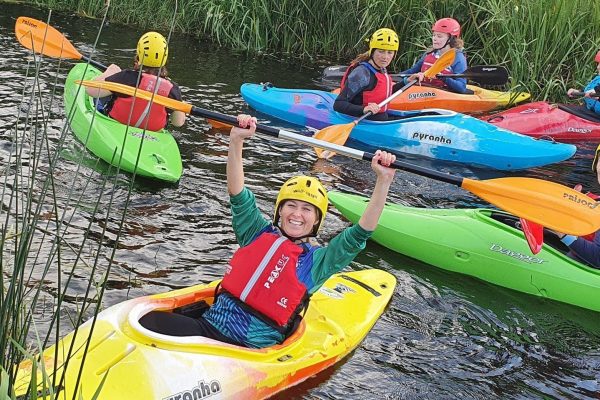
(136, 363)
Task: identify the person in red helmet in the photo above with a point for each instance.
(446, 35)
(591, 90)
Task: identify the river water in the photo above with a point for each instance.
(442, 336)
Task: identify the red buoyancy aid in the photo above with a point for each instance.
(155, 114)
(263, 275)
(382, 89)
(428, 61)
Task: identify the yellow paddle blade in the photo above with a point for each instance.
(337, 134)
(139, 93)
(441, 63)
(44, 39)
(546, 203)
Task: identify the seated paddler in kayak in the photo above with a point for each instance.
(148, 73)
(366, 82)
(591, 90)
(279, 265)
(586, 248)
(445, 36)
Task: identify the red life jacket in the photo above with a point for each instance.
(263, 276)
(382, 89)
(155, 114)
(429, 60)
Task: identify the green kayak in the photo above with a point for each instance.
(482, 243)
(115, 143)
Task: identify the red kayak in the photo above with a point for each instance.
(562, 122)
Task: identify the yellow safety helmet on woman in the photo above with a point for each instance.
(152, 50)
(304, 188)
(384, 39)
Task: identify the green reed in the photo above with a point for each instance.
(43, 248)
(548, 45)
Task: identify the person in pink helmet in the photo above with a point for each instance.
(591, 90)
(446, 35)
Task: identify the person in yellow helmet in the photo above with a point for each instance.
(148, 73)
(270, 279)
(366, 82)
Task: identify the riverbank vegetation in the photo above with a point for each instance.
(58, 235)
(547, 45)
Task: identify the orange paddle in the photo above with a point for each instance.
(546, 203)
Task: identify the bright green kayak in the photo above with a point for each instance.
(115, 143)
(484, 244)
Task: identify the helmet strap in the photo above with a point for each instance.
(374, 63)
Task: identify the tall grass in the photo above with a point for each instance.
(548, 45)
(43, 248)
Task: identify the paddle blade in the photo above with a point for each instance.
(494, 75)
(142, 94)
(44, 39)
(337, 134)
(534, 233)
(546, 203)
(441, 63)
(218, 125)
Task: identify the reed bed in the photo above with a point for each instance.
(548, 45)
(45, 245)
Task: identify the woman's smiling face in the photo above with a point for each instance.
(297, 218)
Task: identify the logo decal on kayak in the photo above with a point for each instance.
(297, 99)
(331, 293)
(143, 136)
(529, 111)
(579, 130)
(202, 391)
(517, 255)
(584, 200)
(423, 95)
(431, 138)
(340, 288)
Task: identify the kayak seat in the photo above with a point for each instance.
(550, 238)
(580, 111)
(193, 310)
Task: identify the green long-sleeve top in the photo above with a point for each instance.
(243, 327)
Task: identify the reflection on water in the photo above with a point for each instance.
(443, 335)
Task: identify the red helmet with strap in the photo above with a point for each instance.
(447, 25)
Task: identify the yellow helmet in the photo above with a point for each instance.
(595, 162)
(304, 188)
(384, 39)
(152, 50)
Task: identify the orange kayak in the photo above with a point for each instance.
(482, 100)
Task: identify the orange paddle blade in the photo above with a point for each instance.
(44, 39)
(141, 94)
(441, 63)
(337, 134)
(546, 203)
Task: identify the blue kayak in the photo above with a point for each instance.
(434, 133)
